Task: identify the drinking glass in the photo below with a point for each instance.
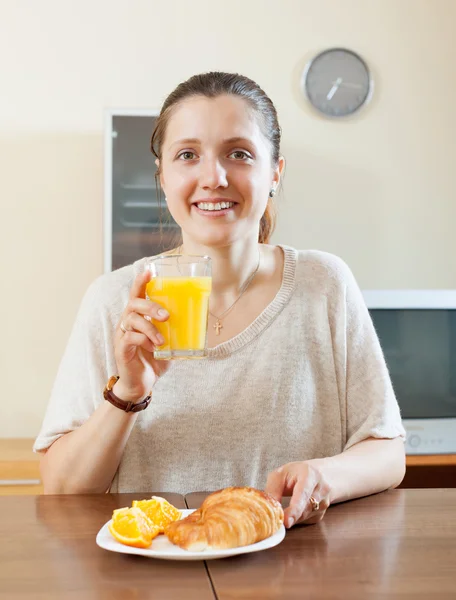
(182, 284)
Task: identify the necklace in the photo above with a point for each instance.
(218, 320)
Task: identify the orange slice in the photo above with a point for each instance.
(130, 526)
(159, 511)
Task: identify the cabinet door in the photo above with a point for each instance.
(141, 223)
(21, 489)
(19, 477)
(19, 468)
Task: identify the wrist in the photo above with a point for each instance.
(127, 395)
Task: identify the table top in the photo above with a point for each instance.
(398, 544)
(48, 552)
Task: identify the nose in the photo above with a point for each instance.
(213, 174)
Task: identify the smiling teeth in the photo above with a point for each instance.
(212, 206)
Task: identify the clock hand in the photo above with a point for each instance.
(355, 86)
(334, 88)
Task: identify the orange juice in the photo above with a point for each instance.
(187, 301)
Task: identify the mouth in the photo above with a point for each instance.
(215, 207)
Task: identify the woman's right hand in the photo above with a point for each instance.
(137, 368)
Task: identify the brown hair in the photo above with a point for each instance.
(215, 84)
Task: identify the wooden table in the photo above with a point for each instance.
(400, 544)
(48, 552)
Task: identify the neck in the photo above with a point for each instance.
(231, 265)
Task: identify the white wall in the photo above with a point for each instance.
(377, 189)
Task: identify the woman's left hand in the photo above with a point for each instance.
(309, 491)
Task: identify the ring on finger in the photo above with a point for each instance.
(122, 327)
(315, 504)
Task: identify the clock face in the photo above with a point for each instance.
(337, 82)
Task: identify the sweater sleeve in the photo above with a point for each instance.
(86, 365)
(370, 403)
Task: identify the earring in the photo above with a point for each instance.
(272, 193)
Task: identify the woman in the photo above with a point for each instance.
(294, 396)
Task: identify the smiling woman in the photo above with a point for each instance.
(233, 134)
(294, 395)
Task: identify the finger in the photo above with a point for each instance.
(324, 504)
(316, 518)
(276, 483)
(303, 489)
(130, 343)
(309, 513)
(147, 308)
(138, 289)
(135, 322)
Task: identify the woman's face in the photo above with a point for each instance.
(216, 169)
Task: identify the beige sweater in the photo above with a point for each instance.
(306, 379)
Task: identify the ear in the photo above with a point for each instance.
(157, 164)
(278, 171)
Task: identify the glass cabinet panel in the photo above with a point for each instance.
(141, 224)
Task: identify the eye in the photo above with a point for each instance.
(240, 155)
(187, 155)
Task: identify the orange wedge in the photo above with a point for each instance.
(159, 511)
(130, 526)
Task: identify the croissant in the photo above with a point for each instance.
(229, 518)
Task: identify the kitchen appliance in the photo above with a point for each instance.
(417, 332)
(137, 222)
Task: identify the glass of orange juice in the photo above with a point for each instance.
(182, 284)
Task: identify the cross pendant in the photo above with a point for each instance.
(217, 327)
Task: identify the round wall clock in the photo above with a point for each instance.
(337, 82)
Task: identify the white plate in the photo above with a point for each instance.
(163, 548)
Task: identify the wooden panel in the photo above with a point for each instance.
(19, 463)
(430, 471)
(15, 469)
(18, 449)
(431, 459)
(20, 490)
(437, 476)
(48, 552)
